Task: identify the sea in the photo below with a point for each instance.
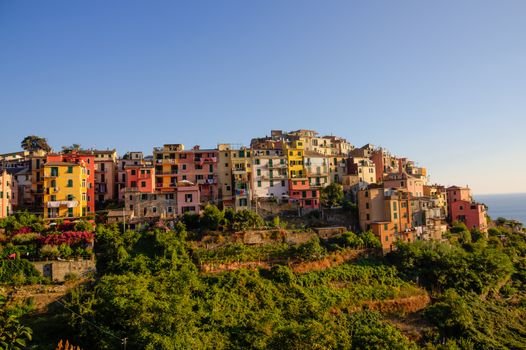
(509, 206)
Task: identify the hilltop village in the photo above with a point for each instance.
(297, 172)
(298, 241)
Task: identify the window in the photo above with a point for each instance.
(53, 198)
(54, 171)
(134, 184)
(395, 207)
(367, 217)
(271, 183)
(282, 183)
(258, 172)
(53, 183)
(143, 183)
(386, 238)
(386, 227)
(70, 183)
(188, 198)
(259, 183)
(395, 215)
(366, 205)
(133, 171)
(184, 166)
(70, 169)
(70, 197)
(154, 209)
(70, 212)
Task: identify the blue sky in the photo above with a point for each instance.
(443, 82)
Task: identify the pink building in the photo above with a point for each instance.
(413, 185)
(461, 207)
(455, 193)
(188, 199)
(302, 193)
(105, 176)
(174, 164)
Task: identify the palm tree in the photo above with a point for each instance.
(34, 143)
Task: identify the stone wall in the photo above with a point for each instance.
(57, 270)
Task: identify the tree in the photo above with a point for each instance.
(212, 217)
(69, 149)
(34, 143)
(332, 195)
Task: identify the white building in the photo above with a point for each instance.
(269, 174)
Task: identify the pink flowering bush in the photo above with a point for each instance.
(68, 237)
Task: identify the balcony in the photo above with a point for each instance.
(206, 181)
(205, 160)
(57, 204)
(276, 166)
(239, 171)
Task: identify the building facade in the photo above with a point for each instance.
(65, 189)
(8, 193)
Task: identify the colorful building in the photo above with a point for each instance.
(462, 208)
(129, 159)
(87, 159)
(385, 163)
(303, 194)
(164, 204)
(269, 174)
(294, 151)
(387, 213)
(411, 184)
(8, 193)
(363, 168)
(234, 174)
(105, 176)
(65, 189)
(174, 164)
(140, 178)
(318, 170)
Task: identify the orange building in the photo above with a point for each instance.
(387, 213)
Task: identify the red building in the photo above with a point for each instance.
(461, 207)
(140, 178)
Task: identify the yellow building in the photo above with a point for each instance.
(65, 187)
(295, 153)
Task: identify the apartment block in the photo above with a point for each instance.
(66, 189)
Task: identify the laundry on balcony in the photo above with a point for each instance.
(56, 204)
